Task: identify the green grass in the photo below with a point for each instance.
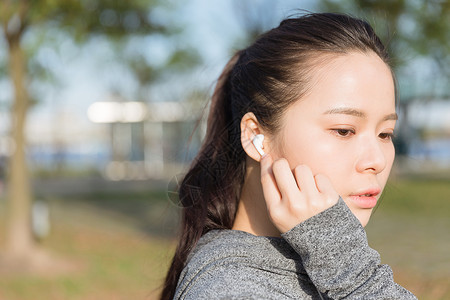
(123, 243)
(112, 266)
(417, 197)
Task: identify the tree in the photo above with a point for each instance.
(81, 20)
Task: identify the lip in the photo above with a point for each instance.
(368, 201)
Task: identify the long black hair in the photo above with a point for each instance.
(265, 78)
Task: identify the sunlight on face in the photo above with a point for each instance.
(343, 127)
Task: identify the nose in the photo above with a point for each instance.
(371, 157)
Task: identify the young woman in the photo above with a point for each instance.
(289, 224)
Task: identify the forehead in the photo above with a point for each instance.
(361, 81)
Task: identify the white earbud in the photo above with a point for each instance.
(258, 142)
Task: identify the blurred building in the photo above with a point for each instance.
(148, 140)
(429, 132)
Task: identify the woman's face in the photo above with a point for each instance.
(343, 127)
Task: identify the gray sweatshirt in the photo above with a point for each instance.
(324, 257)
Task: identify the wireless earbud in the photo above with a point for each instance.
(258, 142)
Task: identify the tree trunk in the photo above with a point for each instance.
(19, 240)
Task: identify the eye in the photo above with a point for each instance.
(342, 132)
(386, 136)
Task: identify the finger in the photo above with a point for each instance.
(305, 180)
(270, 190)
(325, 186)
(284, 178)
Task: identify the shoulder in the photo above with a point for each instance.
(237, 265)
(234, 247)
(223, 281)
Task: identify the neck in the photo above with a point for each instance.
(251, 215)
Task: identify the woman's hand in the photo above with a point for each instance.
(291, 200)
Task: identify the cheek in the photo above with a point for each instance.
(322, 154)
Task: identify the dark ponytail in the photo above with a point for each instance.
(266, 78)
(209, 192)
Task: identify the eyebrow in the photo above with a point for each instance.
(357, 113)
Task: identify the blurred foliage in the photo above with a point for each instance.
(183, 59)
(51, 21)
(83, 18)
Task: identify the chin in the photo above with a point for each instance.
(363, 216)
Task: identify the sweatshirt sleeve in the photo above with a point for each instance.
(335, 253)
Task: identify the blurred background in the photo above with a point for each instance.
(102, 108)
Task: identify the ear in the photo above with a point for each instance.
(249, 129)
